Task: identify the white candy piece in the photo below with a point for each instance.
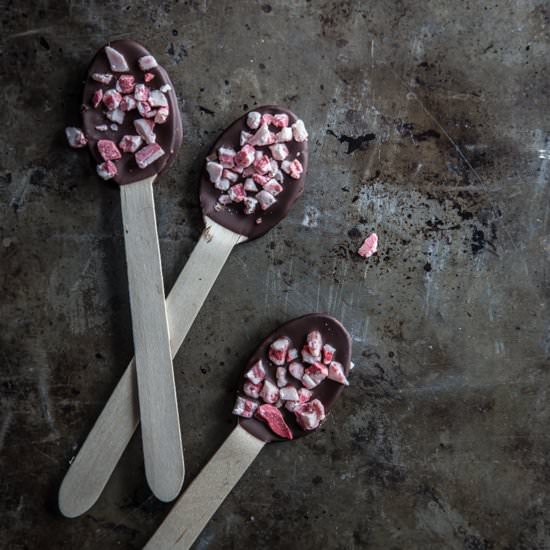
(250, 205)
(252, 390)
(115, 116)
(215, 171)
(230, 175)
(307, 357)
(253, 120)
(245, 136)
(244, 407)
(265, 199)
(270, 392)
(289, 393)
(285, 135)
(250, 186)
(280, 375)
(165, 88)
(75, 137)
(116, 60)
(157, 99)
(224, 199)
(273, 187)
(308, 382)
(147, 62)
(315, 343)
(222, 184)
(336, 373)
(102, 128)
(143, 128)
(262, 137)
(299, 132)
(257, 372)
(279, 151)
(296, 369)
(114, 127)
(277, 351)
(104, 78)
(285, 166)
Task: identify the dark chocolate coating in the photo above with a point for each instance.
(232, 216)
(333, 333)
(169, 134)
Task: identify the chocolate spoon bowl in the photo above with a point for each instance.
(292, 419)
(226, 225)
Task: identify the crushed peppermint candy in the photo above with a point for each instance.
(282, 388)
(369, 246)
(262, 163)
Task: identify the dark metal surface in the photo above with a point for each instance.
(427, 124)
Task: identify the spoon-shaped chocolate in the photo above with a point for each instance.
(199, 502)
(133, 126)
(225, 226)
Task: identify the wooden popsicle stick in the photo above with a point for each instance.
(208, 490)
(158, 405)
(91, 469)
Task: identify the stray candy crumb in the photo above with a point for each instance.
(369, 246)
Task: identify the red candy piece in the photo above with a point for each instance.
(256, 374)
(277, 351)
(244, 407)
(270, 392)
(148, 77)
(107, 170)
(149, 154)
(328, 354)
(336, 373)
(111, 99)
(273, 417)
(252, 390)
(108, 149)
(296, 169)
(245, 157)
(126, 83)
(310, 415)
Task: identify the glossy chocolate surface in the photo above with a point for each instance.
(169, 135)
(333, 333)
(232, 216)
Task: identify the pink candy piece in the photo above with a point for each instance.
(336, 373)
(299, 132)
(304, 395)
(273, 187)
(289, 393)
(253, 120)
(281, 376)
(127, 103)
(147, 62)
(97, 98)
(256, 374)
(245, 157)
(296, 169)
(296, 369)
(244, 407)
(279, 151)
(328, 353)
(130, 144)
(149, 154)
(226, 157)
(75, 137)
(250, 205)
(265, 199)
(148, 77)
(267, 118)
(315, 343)
(277, 351)
(236, 192)
(310, 415)
(262, 136)
(116, 60)
(215, 171)
(157, 99)
(369, 247)
(111, 99)
(144, 128)
(260, 179)
(141, 92)
(284, 136)
(252, 390)
(106, 170)
(270, 392)
(280, 120)
(274, 419)
(103, 78)
(108, 150)
(262, 164)
(126, 83)
(162, 115)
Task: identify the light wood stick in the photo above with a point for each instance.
(204, 496)
(102, 449)
(158, 405)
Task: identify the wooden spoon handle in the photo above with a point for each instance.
(102, 449)
(208, 490)
(158, 405)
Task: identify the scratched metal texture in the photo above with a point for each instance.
(428, 124)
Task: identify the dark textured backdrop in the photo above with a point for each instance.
(428, 123)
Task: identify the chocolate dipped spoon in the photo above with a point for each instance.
(133, 126)
(225, 226)
(289, 385)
